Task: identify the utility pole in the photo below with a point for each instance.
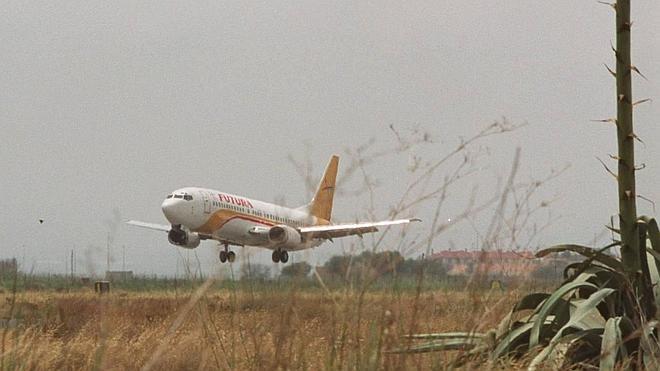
(108, 254)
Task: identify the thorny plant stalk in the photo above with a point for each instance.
(626, 143)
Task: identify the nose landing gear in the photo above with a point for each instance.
(280, 255)
(226, 255)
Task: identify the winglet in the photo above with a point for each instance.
(321, 204)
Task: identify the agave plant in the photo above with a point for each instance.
(595, 317)
(603, 313)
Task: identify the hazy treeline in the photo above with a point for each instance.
(368, 269)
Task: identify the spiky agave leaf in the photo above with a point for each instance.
(451, 340)
(654, 272)
(655, 254)
(586, 251)
(586, 315)
(557, 352)
(579, 320)
(551, 304)
(650, 346)
(515, 338)
(612, 344)
(447, 335)
(591, 274)
(529, 302)
(448, 343)
(588, 271)
(512, 341)
(604, 277)
(653, 235)
(551, 311)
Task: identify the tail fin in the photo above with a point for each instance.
(321, 204)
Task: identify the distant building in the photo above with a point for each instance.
(493, 263)
(115, 276)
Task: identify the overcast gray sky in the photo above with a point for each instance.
(111, 105)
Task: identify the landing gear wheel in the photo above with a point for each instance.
(223, 256)
(231, 256)
(276, 256)
(284, 256)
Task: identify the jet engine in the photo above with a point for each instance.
(284, 236)
(180, 237)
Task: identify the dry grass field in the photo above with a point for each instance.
(216, 328)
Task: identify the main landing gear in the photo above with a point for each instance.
(280, 255)
(226, 255)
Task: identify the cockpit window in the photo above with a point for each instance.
(187, 197)
(178, 196)
(169, 196)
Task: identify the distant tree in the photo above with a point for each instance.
(368, 265)
(433, 269)
(383, 263)
(256, 272)
(300, 269)
(8, 267)
(337, 265)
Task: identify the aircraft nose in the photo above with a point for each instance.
(170, 209)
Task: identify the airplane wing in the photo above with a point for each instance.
(166, 228)
(154, 226)
(342, 230)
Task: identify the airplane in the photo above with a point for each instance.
(197, 214)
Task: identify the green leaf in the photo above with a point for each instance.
(655, 254)
(516, 338)
(585, 309)
(528, 302)
(531, 301)
(447, 335)
(650, 345)
(653, 232)
(435, 346)
(602, 276)
(611, 345)
(549, 305)
(589, 252)
(577, 320)
(557, 350)
(654, 272)
(571, 269)
(512, 338)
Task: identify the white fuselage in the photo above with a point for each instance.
(197, 214)
(234, 219)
